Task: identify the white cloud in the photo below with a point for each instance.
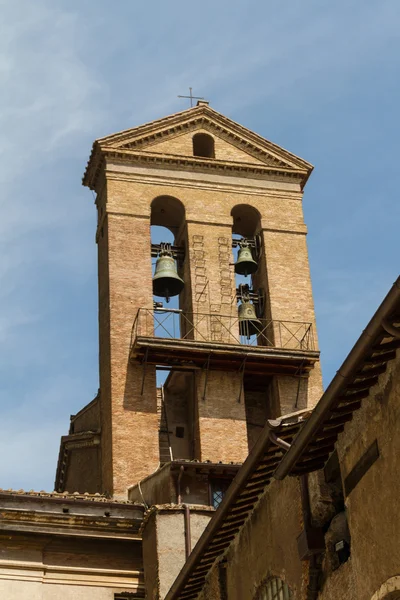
(73, 71)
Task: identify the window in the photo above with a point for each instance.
(203, 145)
(275, 589)
(179, 431)
(218, 489)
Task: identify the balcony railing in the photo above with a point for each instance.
(211, 327)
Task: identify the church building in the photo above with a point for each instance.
(211, 465)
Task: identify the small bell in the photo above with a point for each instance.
(245, 264)
(249, 324)
(166, 281)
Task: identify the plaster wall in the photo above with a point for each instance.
(49, 568)
(167, 529)
(16, 590)
(266, 546)
(372, 506)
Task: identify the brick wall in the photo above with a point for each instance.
(129, 419)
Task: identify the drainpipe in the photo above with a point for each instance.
(178, 486)
(278, 441)
(188, 541)
(314, 568)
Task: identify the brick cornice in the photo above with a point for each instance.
(140, 139)
(174, 162)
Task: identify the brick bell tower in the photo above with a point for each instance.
(236, 350)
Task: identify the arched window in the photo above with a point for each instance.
(203, 145)
(390, 590)
(169, 212)
(275, 589)
(246, 220)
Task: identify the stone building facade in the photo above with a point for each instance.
(236, 477)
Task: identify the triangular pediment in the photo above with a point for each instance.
(172, 137)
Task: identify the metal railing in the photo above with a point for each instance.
(212, 327)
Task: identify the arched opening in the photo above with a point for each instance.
(246, 224)
(166, 223)
(390, 590)
(254, 328)
(174, 387)
(167, 212)
(246, 220)
(274, 589)
(203, 145)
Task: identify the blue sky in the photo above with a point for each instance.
(318, 78)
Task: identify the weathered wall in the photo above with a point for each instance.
(166, 529)
(88, 419)
(155, 489)
(258, 407)
(372, 506)
(45, 568)
(266, 546)
(84, 470)
(179, 407)
(221, 417)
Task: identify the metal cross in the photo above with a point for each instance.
(192, 97)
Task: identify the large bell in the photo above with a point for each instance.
(249, 324)
(245, 264)
(166, 281)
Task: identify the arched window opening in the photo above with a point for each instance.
(166, 226)
(390, 590)
(167, 219)
(246, 220)
(169, 212)
(203, 145)
(275, 589)
(246, 224)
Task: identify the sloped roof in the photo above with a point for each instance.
(137, 142)
(368, 359)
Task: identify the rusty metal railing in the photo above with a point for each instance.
(166, 323)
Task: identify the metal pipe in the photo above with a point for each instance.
(305, 501)
(178, 485)
(350, 366)
(278, 441)
(314, 568)
(314, 572)
(188, 541)
(164, 409)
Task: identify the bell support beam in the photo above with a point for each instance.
(227, 357)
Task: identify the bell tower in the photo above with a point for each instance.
(207, 327)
